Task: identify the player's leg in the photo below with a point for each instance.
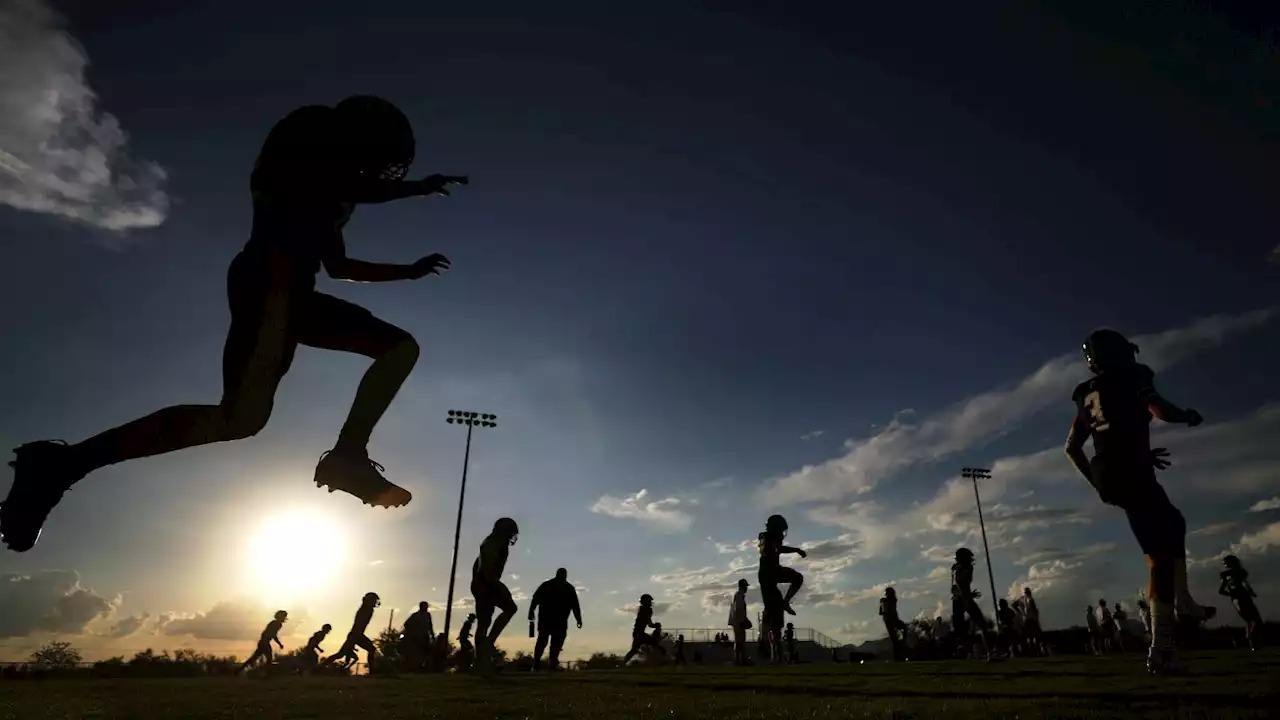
(1151, 525)
(794, 582)
(483, 597)
(558, 636)
(257, 353)
(326, 322)
(371, 651)
(637, 641)
(504, 602)
(540, 646)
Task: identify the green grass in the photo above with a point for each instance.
(1224, 685)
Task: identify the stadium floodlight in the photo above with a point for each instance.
(472, 420)
(976, 474)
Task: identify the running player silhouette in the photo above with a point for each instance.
(356, 637)
(967, 619)
(640, 636)
(892, 623)
(312, 651)
(316, 165)
(1235, 585)
(1115, 408)
(270, 634)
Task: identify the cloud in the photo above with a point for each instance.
(745, 546)
(127, 626)
(1265, 505)
(1214, 529)
(1259, 542)
(813, 435)
(659, 607)
(48, 601)
(227, 620)
(58, 154)
(904, 442)
(664, 515)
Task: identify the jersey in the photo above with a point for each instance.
(1029, 609)
(1235, 583)
(270, 632)
(296, 189)
(1008, 619)
(961, 581)
(1091, 619)
(361, 623)
(644, 618)
(464, 635)
(493, 557)
(1113, 405)
(770, 546)
(889, 607)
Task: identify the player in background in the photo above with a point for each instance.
(1115, 408)
(316, 165)
(740, 622)
(357, 637)
(1095, 635)
(1008, 621)
(1106, 626)
(1120, 618)
(466, 651)
(967, 619)
(490, 592)
(640, 637)
(678, 651)
(270, 634)
(419, 637)
(312, 651)
(1144, 614)
(1235, 585)
(1031, 627)
(892, 623)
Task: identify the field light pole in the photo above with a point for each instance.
(976, 474)
(472, 420)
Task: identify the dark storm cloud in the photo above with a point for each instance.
(48, 601)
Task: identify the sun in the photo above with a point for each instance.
(294, 555)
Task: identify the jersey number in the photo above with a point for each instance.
(1093, 401)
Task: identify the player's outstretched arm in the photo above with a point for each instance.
(374, 191)
(340, 267)
(1170, 413)
(786, 549)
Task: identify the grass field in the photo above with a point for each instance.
(1223, 685)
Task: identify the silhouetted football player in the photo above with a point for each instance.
(1115, 408)
(316, 165)
(270, 634)
(490, 592)
(1235, 585)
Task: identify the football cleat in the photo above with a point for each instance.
(354, 473)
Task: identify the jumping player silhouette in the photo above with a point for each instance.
(316, 165)
(1235, 585)
(1115, 408)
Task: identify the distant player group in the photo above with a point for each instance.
(316, 165)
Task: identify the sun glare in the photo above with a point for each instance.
(294, 555)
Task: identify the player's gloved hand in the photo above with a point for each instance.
(433, 264)
(802, 553)
(1159, 458)
(1193, 418)
(439, 184)
(579, 624)
(975, 594)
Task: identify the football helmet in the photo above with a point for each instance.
(1108, 348)
(1231, 562)
(776, 523)
(281, 615)
(506, 527)
(378, 136)
(372, 598)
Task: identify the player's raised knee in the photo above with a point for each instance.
(243, 421)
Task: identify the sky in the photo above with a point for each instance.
(712, 264)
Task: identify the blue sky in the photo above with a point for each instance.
(809, 264)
